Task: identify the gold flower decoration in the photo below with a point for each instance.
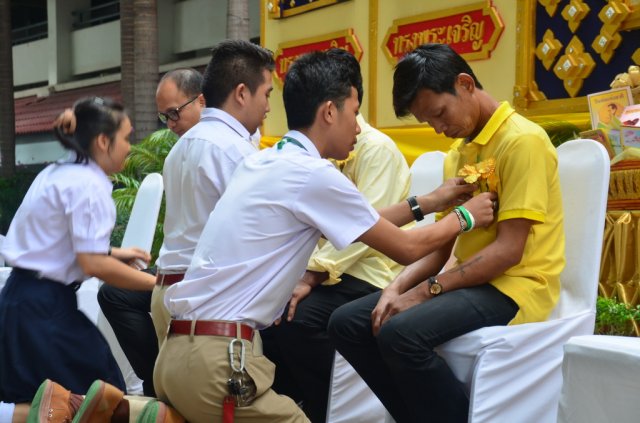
(482, 172)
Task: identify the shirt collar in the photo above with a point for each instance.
(495, 121)
(304, 140)
(70, 158)
(212, 113)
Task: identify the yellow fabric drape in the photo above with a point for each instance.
(620, 266)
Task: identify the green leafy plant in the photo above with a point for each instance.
(146, 157)
(559, 131)
(616, 318)
(12, 191)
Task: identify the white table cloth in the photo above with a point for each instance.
(601, 380)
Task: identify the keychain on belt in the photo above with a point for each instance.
(242, 388)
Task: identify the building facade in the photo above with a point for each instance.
(67, 49)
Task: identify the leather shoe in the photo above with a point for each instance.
(159, 412)
(99, 403)
(53, 403)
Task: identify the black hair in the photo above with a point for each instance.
(312, 79)
(234, 62)
(432, 67)
(93, 116)
(188, 80)
(353, 66)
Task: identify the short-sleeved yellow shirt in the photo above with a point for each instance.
(528, 187)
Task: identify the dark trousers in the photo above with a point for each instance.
(43, 335)
(301, 349)
(128, 314)
(400, 366)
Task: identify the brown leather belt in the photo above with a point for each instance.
(211, 328)
(168, 279)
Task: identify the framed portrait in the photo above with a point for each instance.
(606, 107)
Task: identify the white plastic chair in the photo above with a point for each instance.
(426, 175)
(139, 233)
(2, 237)
(144, 214)
(350, 399)
(513, 373)
(601, 380)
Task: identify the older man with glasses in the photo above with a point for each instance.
(181, 118)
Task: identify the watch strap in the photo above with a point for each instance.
(415, 208)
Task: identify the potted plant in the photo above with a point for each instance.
(616, 318)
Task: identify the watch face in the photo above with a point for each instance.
(435, 288)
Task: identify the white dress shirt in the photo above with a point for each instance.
(67, 210)
(196, 173)
(256, 243)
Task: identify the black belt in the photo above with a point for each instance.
(36, 275)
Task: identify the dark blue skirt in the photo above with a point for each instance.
(43, 335)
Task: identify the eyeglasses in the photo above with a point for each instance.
(174, 114)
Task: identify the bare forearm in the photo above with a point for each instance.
(115, 272)
(313, 278)
(451, 193)
(419, 271)
(492, 261)
(405, 247)
(400, 214)
(479, 269)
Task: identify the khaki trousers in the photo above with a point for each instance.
(191, 375)
(159, 313)
(136, 404)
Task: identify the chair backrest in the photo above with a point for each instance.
(427, 175)
(583, 166)
(144, 213)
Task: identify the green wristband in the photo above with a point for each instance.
(461, 219)
(468, 217)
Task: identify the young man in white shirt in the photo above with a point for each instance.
(214, 117)
(236, 88)
(257, 242)
(179, 101)
(300, 346)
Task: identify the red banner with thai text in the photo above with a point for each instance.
(288, 52)
(472, 31)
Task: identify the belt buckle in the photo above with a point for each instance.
(163, 276)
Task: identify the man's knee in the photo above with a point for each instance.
(105, 295)
(340, 324)
(397, 339)
(112, 299)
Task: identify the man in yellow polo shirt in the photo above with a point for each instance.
(508, 273)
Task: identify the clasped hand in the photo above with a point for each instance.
(391, 302)
(133, 256)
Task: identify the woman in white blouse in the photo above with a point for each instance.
(58, 238)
